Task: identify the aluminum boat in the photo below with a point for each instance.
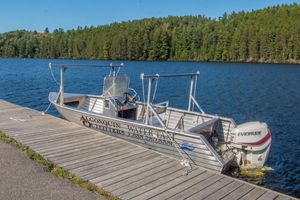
(189, 135)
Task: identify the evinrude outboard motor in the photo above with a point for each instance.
(252, 142)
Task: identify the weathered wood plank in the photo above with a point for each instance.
(6, 104)
(12, 126)
(95, 157)
(185, 185)
(268, 196)
(72, 144)
(140, 187)
(42, 131)
(127, 170)
(65, 138)
(225, 190)
(210, 189)
(97, 150)
(239, 192)
(96, 142)
(166, 186)
(63, 141)
(120, 176)
(5, 110)
(124, 169)
(26, 126)
(150, 174)
(111, 167)
(202, 184)
(253, 194)
(48, 134)
(112, 161)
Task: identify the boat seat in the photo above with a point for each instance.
(154, 121)
(206, 128)
(93, 105)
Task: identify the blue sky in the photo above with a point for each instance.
(68, 14)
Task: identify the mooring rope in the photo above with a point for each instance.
(47, 109)
(53, 77)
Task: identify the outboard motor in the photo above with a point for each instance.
(251, 142)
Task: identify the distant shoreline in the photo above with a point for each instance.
(200, 61)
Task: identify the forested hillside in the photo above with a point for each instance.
(268, 35)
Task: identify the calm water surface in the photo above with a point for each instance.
(244, 92)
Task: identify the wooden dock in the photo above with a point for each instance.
(124, 169)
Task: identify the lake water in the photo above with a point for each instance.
(244, 92)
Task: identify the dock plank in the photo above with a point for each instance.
(63, 141)
(202, 184)
(141, 176)
(253, 194)
(129, 171)
(238, 193)
(77, 143)
(112, 161)
(95, 158)
(103, 149)
(166, 186)
(112, 167)
(181, 188)
(140, 187)
(135, 181)
(42, 131)
(48, 135)
(210, 189)
(225, 190)
(268, 196)
(105, 154)
(66, 149)
(144, 170)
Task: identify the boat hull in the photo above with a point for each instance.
(195, 149)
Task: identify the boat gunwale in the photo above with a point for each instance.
(227, 119)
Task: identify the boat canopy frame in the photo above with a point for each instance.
(192, 93)
(60, 97)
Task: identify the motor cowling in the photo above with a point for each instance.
(252, 142)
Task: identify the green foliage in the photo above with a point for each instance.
(268, 35)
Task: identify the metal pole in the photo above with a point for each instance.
(62, 70)
(171, 75)
(113, 71)
(148, 99)
(194, 92)
(191, 92)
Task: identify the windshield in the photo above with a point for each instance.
(115, 86)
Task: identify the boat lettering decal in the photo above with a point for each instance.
(136, 132)
(249, 133)
(89, 120)
(101, 125)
